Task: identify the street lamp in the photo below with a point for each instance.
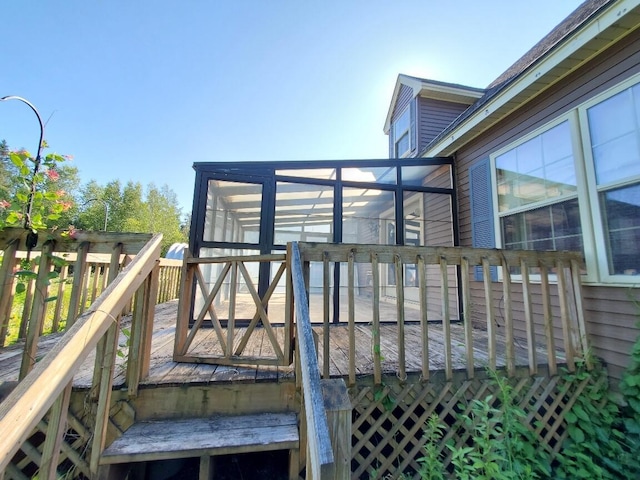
(32, 238)
(106, 209)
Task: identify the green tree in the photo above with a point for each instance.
(159, 214)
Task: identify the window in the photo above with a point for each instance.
(614, 145)
(537, 193)
(575, 185)
(402, 133)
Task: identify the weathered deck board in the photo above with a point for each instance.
(164, 371)
(218, 435)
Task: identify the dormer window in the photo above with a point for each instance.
(402, 134)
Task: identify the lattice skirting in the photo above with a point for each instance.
(388, 420)
(72, 463)
(75, 448)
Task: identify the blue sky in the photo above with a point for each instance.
(140, 90)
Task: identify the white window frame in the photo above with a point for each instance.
(600, 247)
(396, 137)
(581, 193)
(593, 234)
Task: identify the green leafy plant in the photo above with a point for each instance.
(35, 203)
(431, 466)
(501, 444)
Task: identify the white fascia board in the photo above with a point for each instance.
(449, 93)
(578, 40)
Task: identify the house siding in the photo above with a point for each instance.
(433, 117)
(611, 316)
(404, 97)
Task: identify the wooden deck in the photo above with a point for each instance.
(164, 371)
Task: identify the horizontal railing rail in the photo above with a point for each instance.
(532, 299)
(46, 389)
(320, 460)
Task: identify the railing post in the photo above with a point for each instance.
(79, 271)
(6, 287)
(38, 310)
(337, 404)
(54, 436)
(141, 332)
(184, 303)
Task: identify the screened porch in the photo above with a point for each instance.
(257, 208)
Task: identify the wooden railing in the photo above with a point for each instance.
(536, 296)
(319, 452)
(227, 291)
(66, 279)
(47, 386)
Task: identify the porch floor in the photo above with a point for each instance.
(164, 371)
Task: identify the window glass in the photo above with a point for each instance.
(401, 133)
(233, 212)
(613, 127)
(537, 170)
(322, 173)
(304, 213)
(386, 175)
(554, 227)
(368, 216)
(621, 214)
(428, 176)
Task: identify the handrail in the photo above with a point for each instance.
(320, 450)
(31, 399)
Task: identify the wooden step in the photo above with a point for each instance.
(204, 437)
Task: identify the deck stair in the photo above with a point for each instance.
(204, 437)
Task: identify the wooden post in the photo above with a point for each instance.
(55, 435)
(28, 302)
(375, 333)
(326, 317)
(446, 319)
(468, 325)
(424, 316)
(548, 320)
(352, 317)
(6, 287)
(582, 329)
(104, 372)
(569, 350)
(184, 304)
(402, 373)
(79, 271)
(491, 324)
(64, 270)
(206, 468)
(508, 318)
(38, 310)
(528, 317)
(102, 346)
(338, 408)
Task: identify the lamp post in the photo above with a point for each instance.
(36, 167)
(32, 238)
(106, 209)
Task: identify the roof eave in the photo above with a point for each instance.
(599, 33)
(435, 90)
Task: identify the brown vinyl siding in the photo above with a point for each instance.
(433, 117)
(611, 316)
(404, 97)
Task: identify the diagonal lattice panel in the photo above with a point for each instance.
(388, 420)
